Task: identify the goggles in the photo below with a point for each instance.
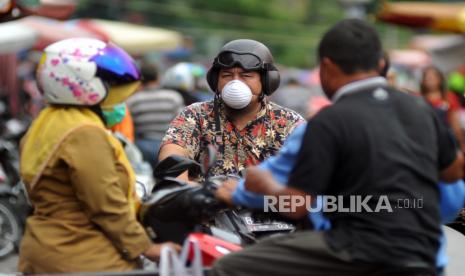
(247, 61)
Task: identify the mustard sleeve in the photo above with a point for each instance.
(97, 184)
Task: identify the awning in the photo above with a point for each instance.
(136, 39)
(51, 30)
(438, 16)
(15, 37)
(410, 58)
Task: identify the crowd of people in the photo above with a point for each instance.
(369, 139)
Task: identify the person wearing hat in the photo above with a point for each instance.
(244, 126)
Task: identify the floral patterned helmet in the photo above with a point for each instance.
(83, 71)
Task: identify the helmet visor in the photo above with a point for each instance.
(115, 65)
(247, 61)
(119, 94)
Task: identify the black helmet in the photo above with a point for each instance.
(250, 55)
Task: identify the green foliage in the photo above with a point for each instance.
(291, 28)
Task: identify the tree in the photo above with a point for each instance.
(291, 28)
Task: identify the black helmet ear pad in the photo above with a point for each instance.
(212, 78)
(270, 80)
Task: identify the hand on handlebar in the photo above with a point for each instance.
(154, 251)
(225, 191)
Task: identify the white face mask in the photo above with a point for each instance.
(236, 94)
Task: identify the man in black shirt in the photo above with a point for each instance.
(380, 152)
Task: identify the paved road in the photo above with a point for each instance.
(8, 264)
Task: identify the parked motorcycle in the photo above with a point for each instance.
(14, 206)
(10, 227)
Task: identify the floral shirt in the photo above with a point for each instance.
(194, 129)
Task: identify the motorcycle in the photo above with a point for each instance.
(10, 227)
(14, 206)
(459, 223)
(142, 169)
(176, 210)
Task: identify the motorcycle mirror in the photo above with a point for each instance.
(209, 159)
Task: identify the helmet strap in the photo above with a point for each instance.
(216, 111)
(261, 98)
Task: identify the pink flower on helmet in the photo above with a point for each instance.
(75, 88)
(77, 53)
(55, 61)
(93, 97)
(77, 92)
(65, 81)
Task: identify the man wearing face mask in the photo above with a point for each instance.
(243, 125)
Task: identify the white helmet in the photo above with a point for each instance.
(182, 76)
(83, 72)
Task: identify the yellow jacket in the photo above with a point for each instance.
(82, 189)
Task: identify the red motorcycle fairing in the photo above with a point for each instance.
(211, 248)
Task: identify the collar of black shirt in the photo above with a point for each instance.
(357, 86)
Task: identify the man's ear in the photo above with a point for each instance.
(382, 66)
(326, 62)
(330, 66)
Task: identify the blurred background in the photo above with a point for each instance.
(181, 37)
(414, 33)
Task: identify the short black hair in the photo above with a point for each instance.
(149, 72)
(353, 45)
